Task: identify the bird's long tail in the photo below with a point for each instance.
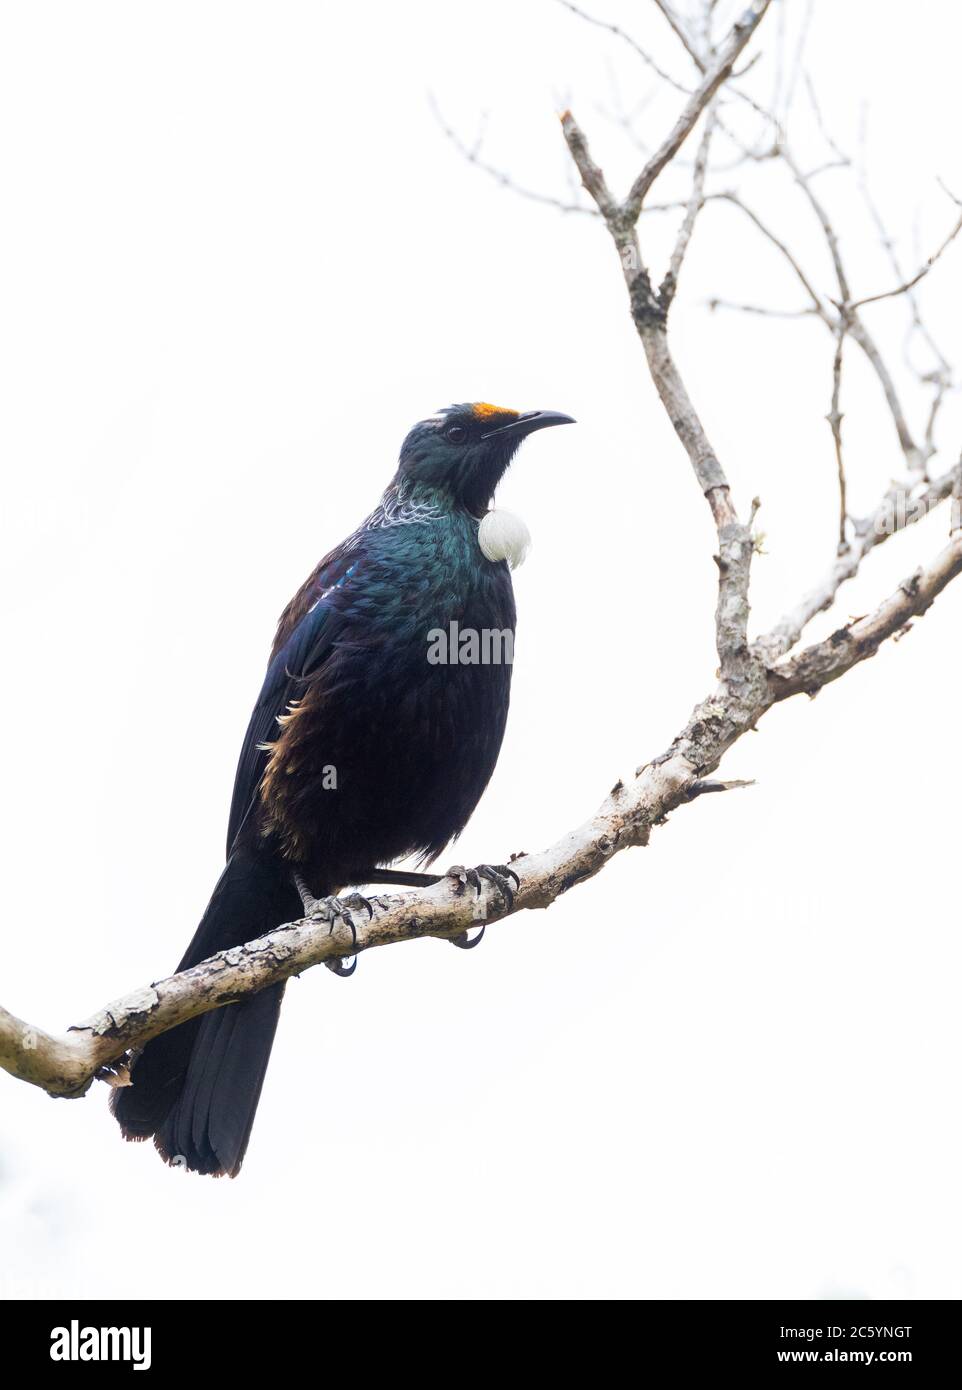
(195, 1089)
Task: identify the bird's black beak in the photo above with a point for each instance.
(528, 423)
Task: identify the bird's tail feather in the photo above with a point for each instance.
(195, 1089)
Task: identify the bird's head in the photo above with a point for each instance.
(465, 449)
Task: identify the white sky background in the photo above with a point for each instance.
(237, 260)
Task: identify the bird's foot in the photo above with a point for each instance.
(309, 903)
(332, 909)
(340, 908)
(355, 900)
(344, 967)
(498, 874)
(465, 942)
(501, 875)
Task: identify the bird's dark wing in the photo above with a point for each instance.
(298, 658)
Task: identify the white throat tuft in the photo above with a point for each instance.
(504, 536)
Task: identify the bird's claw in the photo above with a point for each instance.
(340, 909)
(356, 900)
(340, 968)
(498, 874)
(465, 942)
(461, 876)
(337, 909)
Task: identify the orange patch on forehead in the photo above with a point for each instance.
(483, 411)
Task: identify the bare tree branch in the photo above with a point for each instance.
(472, 153)
(676, 26)
(914, 457)
(752, 677)
(815, 667)
(917, 326)
(763, 310)
(901, 507)
(592, 177)
(696, 202)
(919, 275)
(649, 312)
(631, 43)
(701, 60)
(834, 418)
(66, 1064)
(716, 73)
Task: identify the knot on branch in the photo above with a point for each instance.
(646, 307)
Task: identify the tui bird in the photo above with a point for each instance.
(360, 751)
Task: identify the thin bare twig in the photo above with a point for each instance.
(828, 229)
(860, 334)
(919, 275)
(701, 61)
(676, 25)
(762, 309)
(736, 201)
(796, 64)
(826, 661)
(716, 73)
(631, 43)
(834, 418)
(841, 158)
(472, 153)
(696, 201)
(902, 506)
(942, 375)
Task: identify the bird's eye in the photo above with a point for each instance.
(457, 434)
